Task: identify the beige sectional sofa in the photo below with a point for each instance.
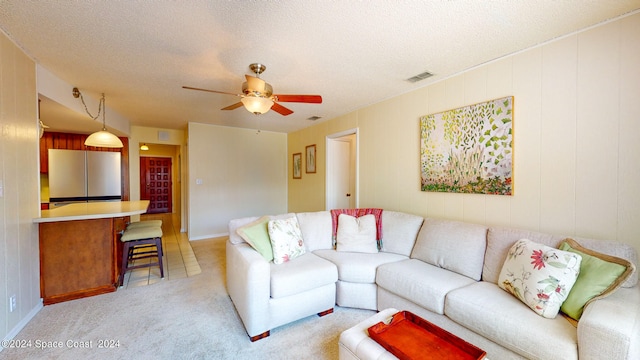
(444, 271)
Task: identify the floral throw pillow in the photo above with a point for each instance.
(286, 239)
(539, 276)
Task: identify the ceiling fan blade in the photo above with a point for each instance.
(255, 84)
(207, 90)
(313, 99)
(233, 106)
(281, 109)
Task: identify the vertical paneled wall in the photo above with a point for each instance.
(19, 204)
(576, 127)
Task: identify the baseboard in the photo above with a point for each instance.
(23, 322)
(208, 236)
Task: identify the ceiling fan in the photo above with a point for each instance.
(257, 95)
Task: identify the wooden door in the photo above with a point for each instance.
(155, 183)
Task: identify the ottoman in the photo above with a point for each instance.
(355, 342)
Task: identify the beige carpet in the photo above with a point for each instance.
(189, 318)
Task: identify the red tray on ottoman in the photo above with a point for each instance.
(410, 337)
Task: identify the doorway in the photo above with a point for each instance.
(156, 183)
(342, 170)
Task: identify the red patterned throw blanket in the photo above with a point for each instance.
(377, 213)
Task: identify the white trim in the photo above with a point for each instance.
(331, 137)
(205, 237)
(23, 323)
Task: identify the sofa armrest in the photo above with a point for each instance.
(248, 284)
(610, 327)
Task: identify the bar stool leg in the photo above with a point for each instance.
(125, 263)
(160, 254)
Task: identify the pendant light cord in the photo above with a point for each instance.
(101, 109)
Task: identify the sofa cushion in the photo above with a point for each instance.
(600, 275)
(286, 239)
(419, 282)
(493, 313)
(400, 232)
(539, 275)
(356, 234)
(301, 274)
(358, 267)
(452, 245)
(316, 229)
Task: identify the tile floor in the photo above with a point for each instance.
(178, 261)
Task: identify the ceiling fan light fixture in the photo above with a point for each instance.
(258, 97)
(257, 105)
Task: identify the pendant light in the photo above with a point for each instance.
(101, 138)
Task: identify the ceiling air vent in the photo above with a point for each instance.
(314, 118)
(419, 77)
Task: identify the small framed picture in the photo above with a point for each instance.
(297, 166)
(310, 162)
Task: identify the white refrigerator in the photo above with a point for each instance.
(76, 175)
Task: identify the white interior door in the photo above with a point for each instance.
(341, 157)
(341, 173)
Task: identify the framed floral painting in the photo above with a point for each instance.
(297, 166)
(468, 149)
(310, 159)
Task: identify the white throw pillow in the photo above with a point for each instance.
(286, 239)
(540, 276)
(356, 234)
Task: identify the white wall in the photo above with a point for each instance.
(19, 175)
(243, 174)
(576, 142)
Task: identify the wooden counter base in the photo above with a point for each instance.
(79, 258)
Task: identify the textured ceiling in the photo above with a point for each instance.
(353, 53)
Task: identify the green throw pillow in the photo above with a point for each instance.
(256, 234)
(600, 275)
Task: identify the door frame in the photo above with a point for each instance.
(330, 165)
(172, 186)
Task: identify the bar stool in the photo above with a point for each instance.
(143, 223)
(147, 240)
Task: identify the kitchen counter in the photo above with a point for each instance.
(80, 248)
(93, 210)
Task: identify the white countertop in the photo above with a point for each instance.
(93, 210)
